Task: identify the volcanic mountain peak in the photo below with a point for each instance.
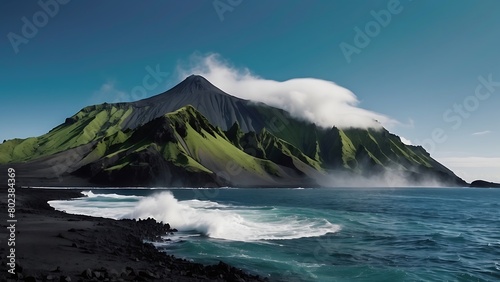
(219, 107)
(195, 129)
(192, 88)
(198, 82)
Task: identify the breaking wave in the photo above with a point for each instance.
(212, 219)
(230, 222)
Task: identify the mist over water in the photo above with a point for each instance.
(391, 177)
(343, 234)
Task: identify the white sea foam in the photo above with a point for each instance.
(216, 220)
(229, 222)
(99, 205)
(91, 194)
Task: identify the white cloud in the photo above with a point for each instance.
(405, 141)
(320, 101)
(409, 124)
(481, 132)
(110, 94)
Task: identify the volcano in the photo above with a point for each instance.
(197, 135)
(217, 106)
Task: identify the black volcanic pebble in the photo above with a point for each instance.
(87, 273)
(65, 279)
(117, 241)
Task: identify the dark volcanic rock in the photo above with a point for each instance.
(179, 138)
(484, 184)
(110, 245)
(195, 90)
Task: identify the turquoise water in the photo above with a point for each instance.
(354, 234)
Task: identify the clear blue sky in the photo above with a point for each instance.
(415, 68)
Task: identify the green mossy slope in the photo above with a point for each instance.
(140, 144)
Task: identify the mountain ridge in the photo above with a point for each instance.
(484, 184)
(195, 90)
(189, 129)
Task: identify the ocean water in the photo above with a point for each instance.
(351, 234)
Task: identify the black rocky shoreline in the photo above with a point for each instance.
(55, 246)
